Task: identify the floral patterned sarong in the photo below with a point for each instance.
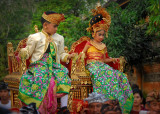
(112, 83)
(35, 81)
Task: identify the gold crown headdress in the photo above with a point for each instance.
(102, 24)
(54, 18)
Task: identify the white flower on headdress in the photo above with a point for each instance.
(95, 97)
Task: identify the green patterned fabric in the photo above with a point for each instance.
(35, 81)
(112, 83)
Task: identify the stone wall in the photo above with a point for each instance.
(148, 78)
(151, 77)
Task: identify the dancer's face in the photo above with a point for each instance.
(95, 108)
(99, 35)
(50, 28)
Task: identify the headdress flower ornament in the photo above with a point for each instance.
(95, 97)
(100, 21)
(54, 18)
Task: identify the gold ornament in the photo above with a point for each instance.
(104, 24)
(54, 18)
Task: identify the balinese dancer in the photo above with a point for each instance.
(45, 76)
(105, 80)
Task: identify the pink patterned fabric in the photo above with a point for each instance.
(49, 103)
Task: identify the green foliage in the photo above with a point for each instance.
(72, 29)
(154, 18)
(15, 17)
(115, 35)
(3, 63)
(125, 39)
(138, 46)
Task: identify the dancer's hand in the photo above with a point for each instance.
(114, 60)
(71, 55)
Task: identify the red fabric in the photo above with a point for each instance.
(78, 105)
(115, 65)
(15, 110)
(79, 47)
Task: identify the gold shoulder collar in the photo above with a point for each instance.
(99, 47)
